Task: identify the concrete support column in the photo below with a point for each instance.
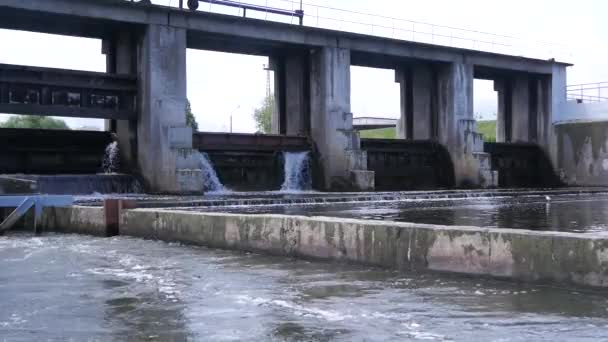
(297, 94)
(457, 126)
(121, 58)
(341, 162)
(418, 102)
(277, 122)
(556, 97)
(405, 123)
(520, 120)
(291, 113)
(503, 117)
(163, 136)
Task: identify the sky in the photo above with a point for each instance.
(223, 85)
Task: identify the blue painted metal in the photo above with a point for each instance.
(24, 203)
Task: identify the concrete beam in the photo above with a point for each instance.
(100, 17)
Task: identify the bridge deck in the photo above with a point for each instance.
(104, 18)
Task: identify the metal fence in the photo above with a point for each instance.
(588, 92)
(383, 26)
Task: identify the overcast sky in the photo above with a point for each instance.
(221, 84)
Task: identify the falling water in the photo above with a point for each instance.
(111, 159)
(297, 171)
(211, 181)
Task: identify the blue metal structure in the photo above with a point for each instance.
(24, 203)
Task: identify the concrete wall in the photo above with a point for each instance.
(583, 153)
(576, 259)
(75, 220)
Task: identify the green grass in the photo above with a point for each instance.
(381, 133)
(488, 129)
(485, 127)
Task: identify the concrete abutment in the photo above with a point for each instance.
(574, 259)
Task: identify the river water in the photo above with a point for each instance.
(567, 212)
(81, 288)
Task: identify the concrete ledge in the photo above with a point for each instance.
(76, 219)
(550, 257)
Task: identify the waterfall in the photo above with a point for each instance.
(211, 181)
(111, 158)
(297, 171)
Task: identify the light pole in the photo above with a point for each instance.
(234, 110)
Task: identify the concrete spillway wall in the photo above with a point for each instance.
(569, 258)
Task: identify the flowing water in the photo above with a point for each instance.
(565, 212)
(111, 158)
(211, 182)
(297, 171)
(80, 288)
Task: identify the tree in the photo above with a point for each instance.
(190, 119)
(31, 121)
(263, 115)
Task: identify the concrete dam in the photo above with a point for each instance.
(150, 230)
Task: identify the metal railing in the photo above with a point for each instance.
(588, 92)
(327, 17)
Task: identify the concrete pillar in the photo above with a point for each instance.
(503, 116)
(121, 58)
(163, 138)
(405, 123)
(340, 160)
(297, 88)
(556, 97)
(520, 120)
(277, 123)
(457, 126)
(418, 102)
(291, 113)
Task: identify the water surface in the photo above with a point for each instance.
(571, 213)
(61, 287)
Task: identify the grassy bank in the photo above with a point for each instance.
(486, 127)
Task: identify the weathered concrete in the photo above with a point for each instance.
(121, 58)
(583, 153)
(418, 96)
(336, 142)
(162, 73)
(569, 258)
(312, 80)
(456, 125)
(520, 119)
(95, 18)
(75, 220)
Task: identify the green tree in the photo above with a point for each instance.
(190, 119)
(32, 121)
(263, 115)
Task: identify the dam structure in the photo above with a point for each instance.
(150, 230)
(142, 95)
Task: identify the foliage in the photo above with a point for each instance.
(380, 133)
(488, 129)
(263, 115)
(190, 119)
(32, 121)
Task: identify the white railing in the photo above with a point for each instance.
(588, 92)
(386, 26)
